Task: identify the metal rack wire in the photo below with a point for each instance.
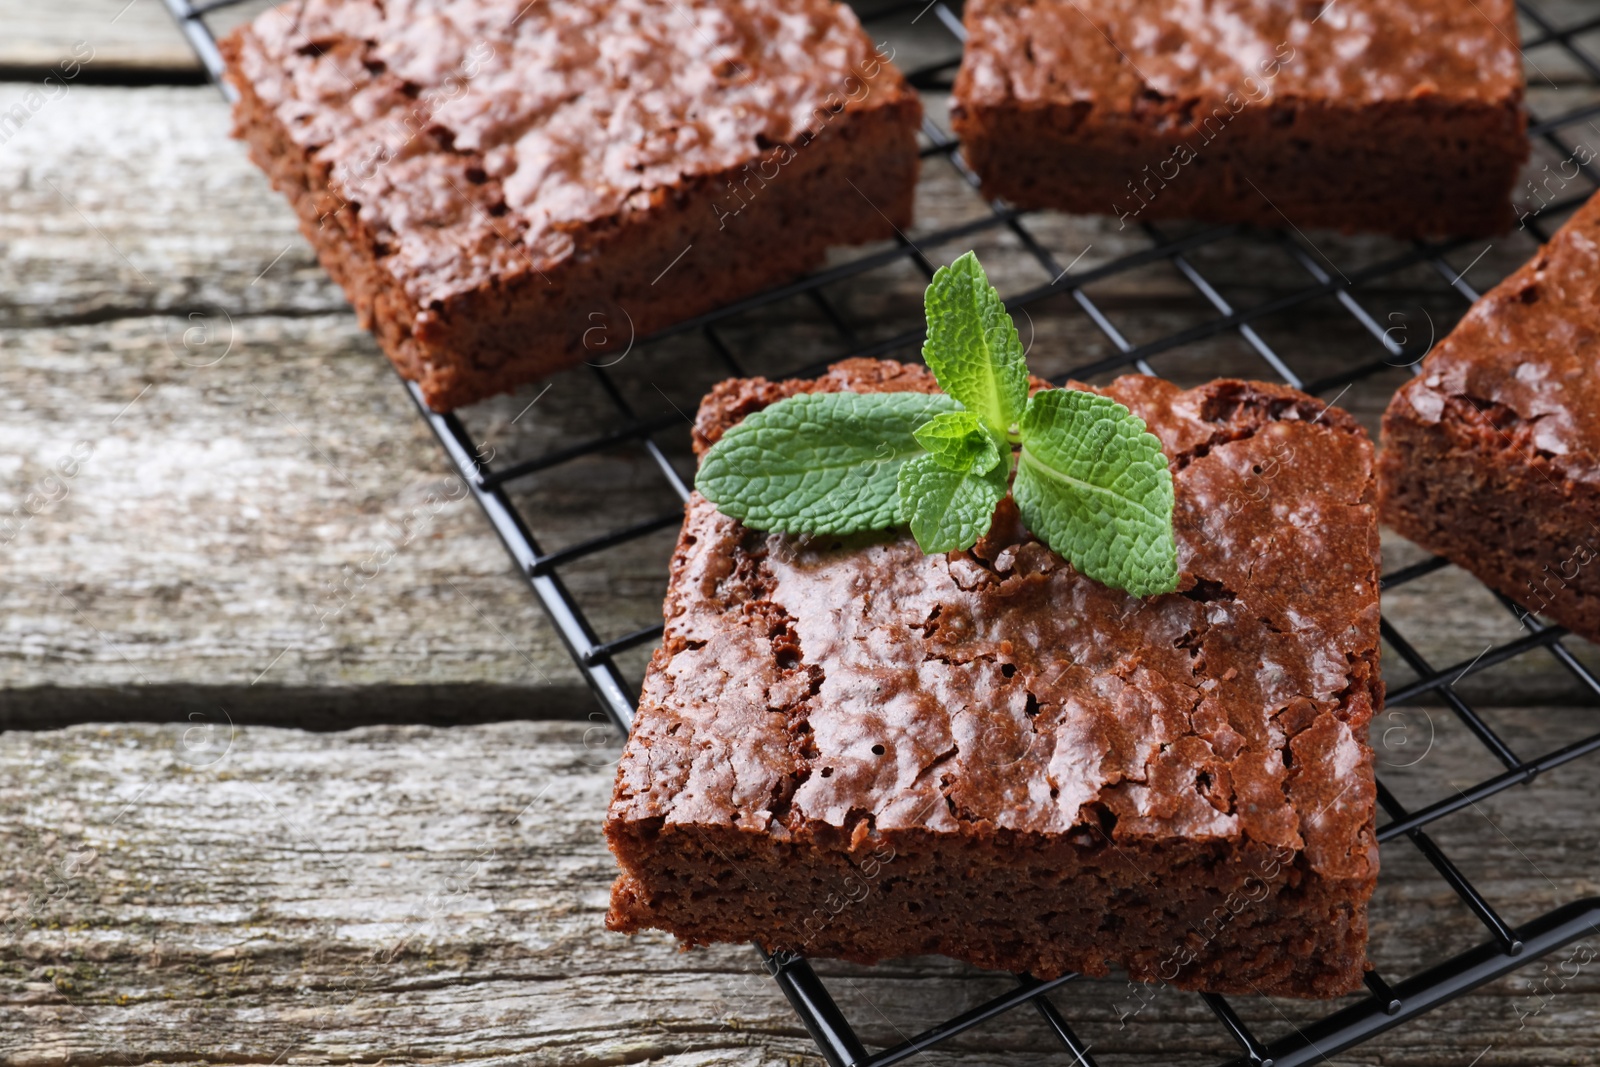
(1388, 1004)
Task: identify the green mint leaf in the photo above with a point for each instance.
(958, 442)
(1093, 484)
(949, 509)
(819, 463)
(973, 348)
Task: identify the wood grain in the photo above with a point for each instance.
(122, 36)
(254, 508)
(197, 893)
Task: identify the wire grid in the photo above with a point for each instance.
(1388, 1004)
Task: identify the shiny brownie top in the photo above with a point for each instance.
(843, 685)
(1176, 60)
(1525, 361)
(481, 138)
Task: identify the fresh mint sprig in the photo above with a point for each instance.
(820, 463)
(1089, 480)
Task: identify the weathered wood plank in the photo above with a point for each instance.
(196, 894)
(253, 508)
(259, 524)
(249, 444)
(123, 36)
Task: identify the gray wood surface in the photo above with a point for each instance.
(120, 35)
(214, 891)
(258, 511)
(195, 893)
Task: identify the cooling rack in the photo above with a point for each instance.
(1387, 1003)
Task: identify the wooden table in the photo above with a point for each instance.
(197, 870)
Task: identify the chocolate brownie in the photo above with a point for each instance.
(1492, 455)
(848, 748)
(1397, 116)
(505, 189)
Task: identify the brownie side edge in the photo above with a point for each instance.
(1489, 456)
(344, 244)
(1213, 144)
(1463, 486)
(1413, 182)
(1246, 920)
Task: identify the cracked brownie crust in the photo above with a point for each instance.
(505, 188)
(1397, 116)
(848, 748)
(1492, 455)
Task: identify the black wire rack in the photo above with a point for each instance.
(1387, 1003)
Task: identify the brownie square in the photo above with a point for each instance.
(1396, 116)
(507, 188)
(848, 748)
(1491, 455)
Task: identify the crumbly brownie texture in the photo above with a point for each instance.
(1397, 116)
(848, 748)
(504, 189)
(1492, 455)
